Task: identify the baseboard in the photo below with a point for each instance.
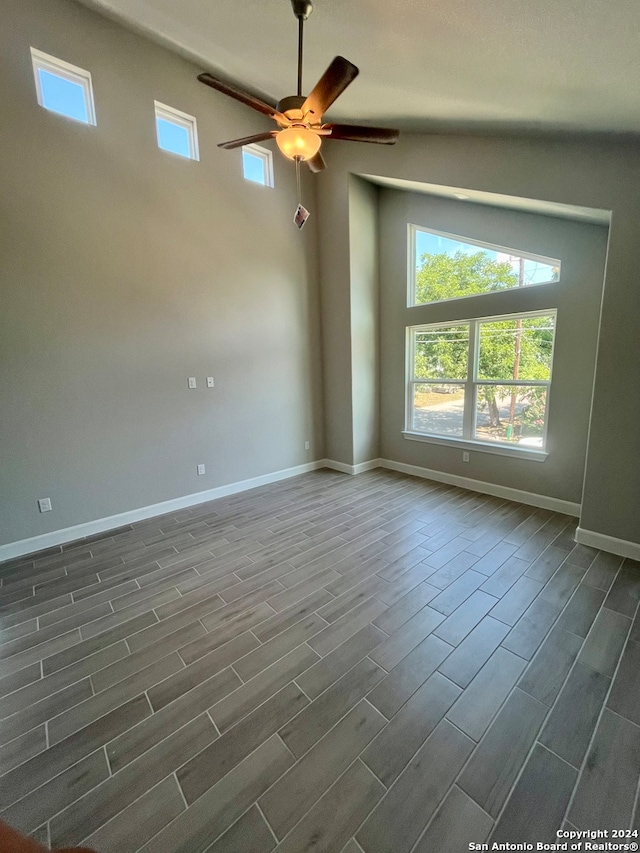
(367, 466)
(360, 468)
(100, 525)
(342, 467)
(529, 498)
(621, 547)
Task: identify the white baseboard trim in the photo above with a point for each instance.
(100, 525)
(360, 468)
(367, 466)
(342, 467)
(621, 547)
(529, 498)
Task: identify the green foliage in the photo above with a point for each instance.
(532, 416)
(442, 353)
(443, 276)
(508, 349)
(529, 403)
(500, 342)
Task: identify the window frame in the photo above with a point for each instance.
(179, 119)
(65, 71)
(266, 157)
(412, 266)
(471, 385)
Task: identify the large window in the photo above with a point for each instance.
(484, 380)
(447, 267)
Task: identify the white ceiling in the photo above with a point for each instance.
(511, 65)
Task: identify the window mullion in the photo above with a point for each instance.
(469, 387)
(410, 374)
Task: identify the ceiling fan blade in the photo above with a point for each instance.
(316, 163)
(360, 133)
(247, 140)
(333, 82)
(238, 94)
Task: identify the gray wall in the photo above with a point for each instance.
(577, 297)
(365, 315)
(124, 270)
(335, 274)
(603, 174)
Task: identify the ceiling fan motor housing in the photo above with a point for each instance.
(292, 107)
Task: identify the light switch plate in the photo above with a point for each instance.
(192, 382)
(200, 470)
(210, 382)
(44, 504)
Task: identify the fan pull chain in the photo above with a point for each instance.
(302, 214)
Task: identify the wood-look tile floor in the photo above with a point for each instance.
(374, 663)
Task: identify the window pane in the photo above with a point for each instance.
(173, 137)
(437, 409)
(253, 168)
(447, 268)
(441, 353)
(512, 415)
(516, 349)
(63, 96)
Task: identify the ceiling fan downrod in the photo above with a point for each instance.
(301, 9)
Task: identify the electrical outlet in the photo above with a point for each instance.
(200, 470)
(210, 382)
(307, 446)
(192, 382)
(44, 505)
(465, 455)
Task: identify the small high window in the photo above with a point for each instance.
(176, 131)
(63, 88)
(257, 165)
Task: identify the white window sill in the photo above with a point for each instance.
(480, 446)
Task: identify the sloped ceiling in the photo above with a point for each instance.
(487, 65)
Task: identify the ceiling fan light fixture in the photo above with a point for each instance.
(298, 142)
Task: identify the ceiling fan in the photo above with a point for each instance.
(300, 130)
